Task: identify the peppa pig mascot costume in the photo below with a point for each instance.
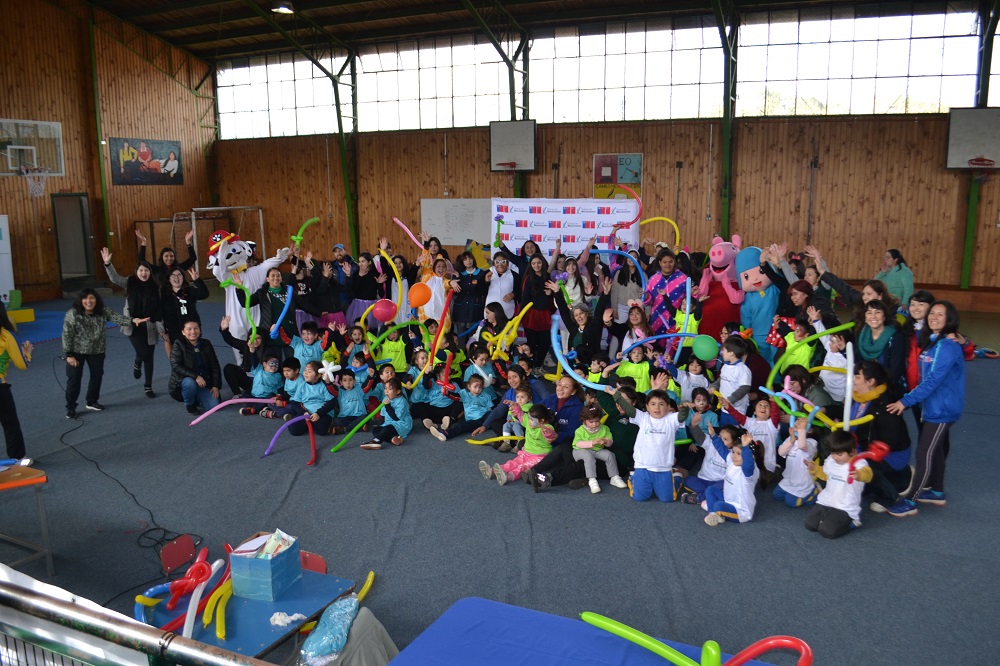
(719, 289)
(761, 301)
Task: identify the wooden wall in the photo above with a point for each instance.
(879, 184)
(40, 82)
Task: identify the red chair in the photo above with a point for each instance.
(312, 562)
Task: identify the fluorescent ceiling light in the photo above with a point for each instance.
(282, 7)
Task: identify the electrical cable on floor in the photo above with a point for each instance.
(154, 537)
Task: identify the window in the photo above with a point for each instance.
(857, 61)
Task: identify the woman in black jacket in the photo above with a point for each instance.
(195, 377)
(873, 392)
(271, 297)
(470, 294)
(180, 302)
(584, 326)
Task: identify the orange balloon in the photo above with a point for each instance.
(420, 294)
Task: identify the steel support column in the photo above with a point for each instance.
(728, 21)
(989, 16)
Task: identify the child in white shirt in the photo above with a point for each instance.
(763, 426)
(834, 382)
(734, 381)
(654, 447)
(838, 507)
(797, 486)
(735, 501)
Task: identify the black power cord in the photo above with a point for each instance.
(154, 537)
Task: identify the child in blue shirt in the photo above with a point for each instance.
(307, 345)
(397, 422)
(267, 381)
(352, 401)
(441, 407)
(285, 402)
(314, 400)
(476, 405)
(481, 367)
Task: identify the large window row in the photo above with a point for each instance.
(813, 61)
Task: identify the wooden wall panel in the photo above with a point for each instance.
(293, 179)
(39, 82)
(879, 184)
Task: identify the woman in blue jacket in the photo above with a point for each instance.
(941, 394)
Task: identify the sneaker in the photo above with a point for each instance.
(396, 441)
(577, 484)
(438, 435)
(371, 445)
(428, 423)
(338, 430)
(690, 498)
(445, 423)
(928, 496)
(540, 482)
(248, 411)
(902, 508)
(877, 507)
(617, 482)
(71, 413)
(287, 417)
(267, 413)
(149, 392)
(193, 409)
(95, 406)
(505, 447)
(136, 369)
(594, 487)
(485, 470)
(714, 520)
(500, 474)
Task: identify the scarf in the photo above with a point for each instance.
(870, 348)
(870, 395)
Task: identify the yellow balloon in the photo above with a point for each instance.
(677, 232)
(399, 280)
(480, 442)
(366, 587)
(828, 368)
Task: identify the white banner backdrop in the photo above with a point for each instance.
(573, 221)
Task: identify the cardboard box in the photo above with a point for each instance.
(265, 580)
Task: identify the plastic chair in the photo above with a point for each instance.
(177, 553)
(312, 562)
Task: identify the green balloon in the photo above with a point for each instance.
(705, 347)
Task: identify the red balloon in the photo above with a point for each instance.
(420, 294)
(384, 310)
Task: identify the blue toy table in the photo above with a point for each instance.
(248, 627)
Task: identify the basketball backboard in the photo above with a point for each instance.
(30, 144)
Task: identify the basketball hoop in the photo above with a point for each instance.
(36, 177)
(509, 167)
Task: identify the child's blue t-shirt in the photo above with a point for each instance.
(476, 406)
(403, 423)
(306, 353)
(377, 392)
(420, 393)
(265, 384)
(707, 418)
(473, 371)
(313, 396)
(351, 402)
(292, 387)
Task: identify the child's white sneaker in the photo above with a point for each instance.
(500, 474)
(428, 423)
(617, 482)
(485, 470)
(594, 487)
(714, 519)
(445, 423)
(438, 435)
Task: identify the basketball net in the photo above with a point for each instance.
(36, 177)
(982, 167)
(509, 168)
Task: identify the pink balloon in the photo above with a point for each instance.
(384, 310)
(408, 232)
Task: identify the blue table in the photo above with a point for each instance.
(479, 631)
(248, 627)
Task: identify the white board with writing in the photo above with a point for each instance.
(454, 221)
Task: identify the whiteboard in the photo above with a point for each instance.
(973, 133)
(454, 221)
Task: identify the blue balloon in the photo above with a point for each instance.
(557, 350)
(638, 266)
(284, 312)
